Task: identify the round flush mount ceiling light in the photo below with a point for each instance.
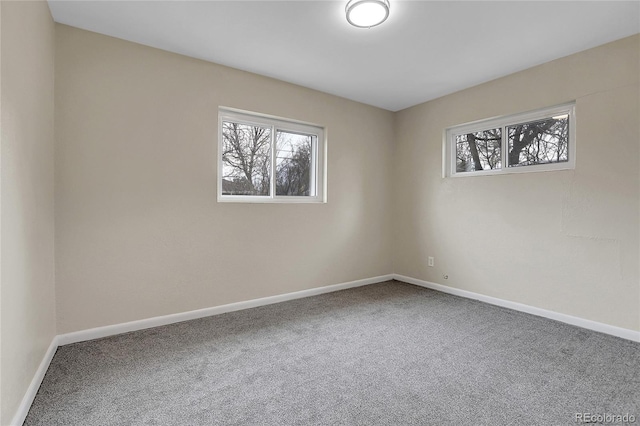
(367, 13)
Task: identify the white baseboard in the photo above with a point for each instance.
(30, 394)
(568, 319)
(110, 330)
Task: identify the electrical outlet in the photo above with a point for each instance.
(431, 261)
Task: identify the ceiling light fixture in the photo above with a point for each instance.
(367, 13)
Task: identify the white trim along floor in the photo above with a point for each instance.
(99, 332)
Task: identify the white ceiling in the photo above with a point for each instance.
(426, 49)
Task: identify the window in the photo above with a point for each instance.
(534, 141)
(265, 159)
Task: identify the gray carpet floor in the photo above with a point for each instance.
(384, 354)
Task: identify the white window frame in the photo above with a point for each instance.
(318, 156)
(503, 122)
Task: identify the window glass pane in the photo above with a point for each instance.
(294, 174)
(246, 159)
(539, 142)
(479, 151)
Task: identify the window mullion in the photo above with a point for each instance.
(314, 167)
(272, 181)
(505, 147)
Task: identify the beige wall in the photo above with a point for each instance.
(27, 276)
(565, 241)
(138, 230)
